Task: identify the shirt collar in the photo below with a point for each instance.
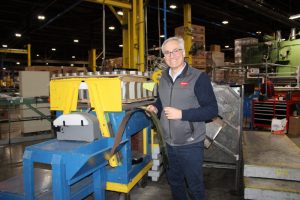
(178, 73)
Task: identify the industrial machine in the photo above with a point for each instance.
(98, 115)
(276, 60)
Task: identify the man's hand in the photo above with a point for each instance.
(172, 113)
(152, 108)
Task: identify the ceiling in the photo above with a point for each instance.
(67, 20)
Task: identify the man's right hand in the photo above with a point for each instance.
(152, 108)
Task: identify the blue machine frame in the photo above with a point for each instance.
(73, 162)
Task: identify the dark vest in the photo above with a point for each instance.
(181, 95)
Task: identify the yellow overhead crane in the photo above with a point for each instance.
(20, 51)
(133, 32)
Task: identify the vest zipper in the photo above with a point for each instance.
(170, 103)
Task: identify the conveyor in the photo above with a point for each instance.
(81, 158)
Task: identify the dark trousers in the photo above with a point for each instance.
(185, 164)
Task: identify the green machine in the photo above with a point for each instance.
(286, 53)
(276, 59)
(277, 51)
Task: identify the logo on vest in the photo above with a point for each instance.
(184, 83)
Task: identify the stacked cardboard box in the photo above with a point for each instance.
(215, 47)
(294, 126)
(198, 39)
(214, 58)
(238, 43)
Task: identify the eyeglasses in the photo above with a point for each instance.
(175, 52)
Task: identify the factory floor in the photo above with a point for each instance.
(219, 183)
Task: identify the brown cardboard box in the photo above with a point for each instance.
(199, 54)
(198, 38)
(195, 37)
(294, 126)
(215, 58)
(198, 61)
(215, 47)
(195, 29)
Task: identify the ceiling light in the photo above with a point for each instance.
(76, 40)
(111, 28)
(225, 22)
(120, 45)
(258, 32)
(41, 17)
(173, 6)
(72, 65)
(120, 12)
(18, 34)
(53, 49)
(37, 55)
(294, 16)
(226, 46)
(4, 68)
(17, 63)
(4, 45)
(46, 63)
(73, 57)
(162, 36)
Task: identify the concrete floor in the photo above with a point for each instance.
(219, 183)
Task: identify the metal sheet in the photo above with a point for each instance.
(268, 189)
(270, 156)
(225, 148)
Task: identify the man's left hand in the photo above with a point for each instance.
(172, 113)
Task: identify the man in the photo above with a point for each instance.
(186, 100)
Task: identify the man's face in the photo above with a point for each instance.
(174, 55)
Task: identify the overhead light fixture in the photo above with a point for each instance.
(226, 46)
(4, 68)
(46, 63)
(120, 12)
(225, 22)
(53, 49)
(294, 16)
(162, 36)
(73, 57)
(76, 40)
(173, 6)
(17, 63)
(111, 28)
(41, 17)
(18, 34)
(4, 45)
(120, 45)
(72, 65)
(37, 55)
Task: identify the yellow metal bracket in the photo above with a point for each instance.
(64, 95)
(105, 96)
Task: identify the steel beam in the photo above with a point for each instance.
(112, 3)
(141, 45)
(187, 24)
(16, 51)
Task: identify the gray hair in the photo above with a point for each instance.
(176, 38)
